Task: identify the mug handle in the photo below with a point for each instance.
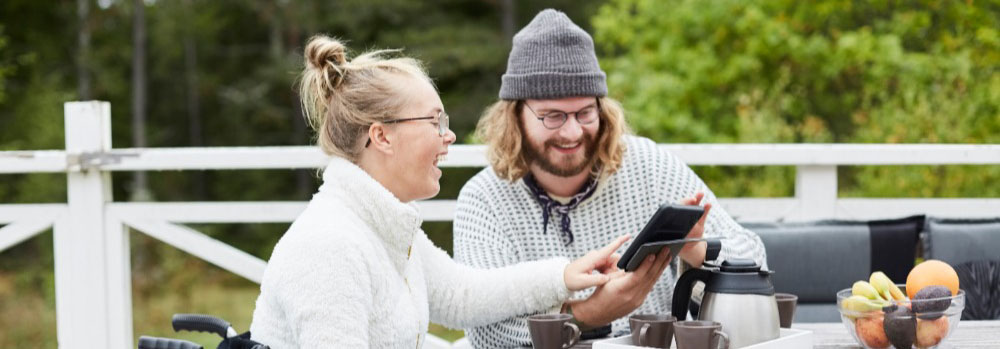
(724, 339)
(642, 335)
(575, 337)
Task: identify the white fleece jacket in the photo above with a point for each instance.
(356, 271)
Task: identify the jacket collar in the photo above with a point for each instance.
(395, 223)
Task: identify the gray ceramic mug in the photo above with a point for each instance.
(652, 330)
(553, 331)
(786, 308)
(700, 335)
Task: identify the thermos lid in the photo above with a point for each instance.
(740, 276)
(739, 266)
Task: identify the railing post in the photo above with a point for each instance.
(89, 254)
(816, 190)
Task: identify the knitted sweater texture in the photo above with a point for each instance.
(498, 223)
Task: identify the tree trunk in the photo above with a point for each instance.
(83, 50)
(193, 100)
(140, 186)
(508, 10)
(300, 131)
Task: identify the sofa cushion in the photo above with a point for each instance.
(894, 245)
(816, 259)
(956, 241)
(981, 282)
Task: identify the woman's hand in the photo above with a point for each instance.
(580, 275)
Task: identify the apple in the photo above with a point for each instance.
(871, 331)
(931, 332)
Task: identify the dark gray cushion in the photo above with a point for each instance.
(814, 260)
(956, 241)
(816, 312)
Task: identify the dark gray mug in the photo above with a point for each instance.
(700, 335)
(653, 330)
(553, 331)
(786, 308)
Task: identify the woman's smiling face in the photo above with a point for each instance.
(418, 145)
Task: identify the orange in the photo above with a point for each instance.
(931, 273)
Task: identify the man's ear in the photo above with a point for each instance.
(379, 135)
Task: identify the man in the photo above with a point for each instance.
(565, 178)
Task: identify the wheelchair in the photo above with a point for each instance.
(201, 323)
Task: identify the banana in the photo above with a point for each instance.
(860, 304)
(864, 289)
(885, 287)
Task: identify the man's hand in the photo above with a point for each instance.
(623, 293)
(694, 252)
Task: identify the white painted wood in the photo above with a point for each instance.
(835, 154)
(437, 210)
(472, 155)
(38, 161)
(216, 158)
(119, 271)
(82, 306)
(468, 155)
(13, 213)
(211, 212)
(201, 246)
(760, 209)
(816, 189)
(743, 209)
(16, 232)
(868, 208)
(248, 211)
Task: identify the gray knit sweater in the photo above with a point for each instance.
(499, 223)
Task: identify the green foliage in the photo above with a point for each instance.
(818, 71)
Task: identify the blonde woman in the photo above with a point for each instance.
(355, 270)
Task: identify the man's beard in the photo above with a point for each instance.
(538, 157)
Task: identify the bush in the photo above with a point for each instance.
(817, 71)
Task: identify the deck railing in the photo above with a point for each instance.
(92, 270)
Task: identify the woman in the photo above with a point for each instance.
(355, 270)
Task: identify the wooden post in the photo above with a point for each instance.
(816, 190)
(93, 288)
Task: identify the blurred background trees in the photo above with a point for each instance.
(221, 73)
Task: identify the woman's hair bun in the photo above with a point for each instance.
(328, 55)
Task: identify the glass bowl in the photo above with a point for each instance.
(925, 329)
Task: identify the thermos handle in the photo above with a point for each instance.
(713, 249)
(682, 291)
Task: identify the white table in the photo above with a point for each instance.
(968, 334)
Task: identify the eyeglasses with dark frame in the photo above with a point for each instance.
(555, 119)
(441, 123)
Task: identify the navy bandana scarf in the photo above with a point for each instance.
(549, 204)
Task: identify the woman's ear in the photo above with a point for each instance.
(380, 138)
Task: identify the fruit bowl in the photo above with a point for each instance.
(895, 324)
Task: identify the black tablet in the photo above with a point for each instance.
(668, 227)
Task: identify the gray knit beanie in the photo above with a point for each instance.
(552, 58)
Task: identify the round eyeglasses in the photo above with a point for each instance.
(441, 123)
(555, 119)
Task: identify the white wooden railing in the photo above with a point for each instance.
(93, 285)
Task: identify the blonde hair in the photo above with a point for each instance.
(501, 129)
(341, 98)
